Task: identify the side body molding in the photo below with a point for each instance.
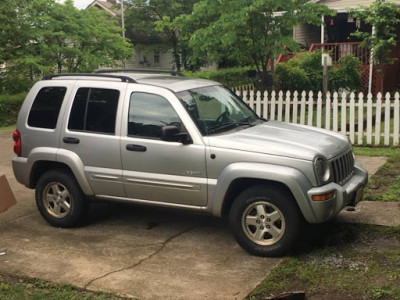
(295, 180)
(72, 160)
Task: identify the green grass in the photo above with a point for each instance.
(7, 128)
(377, 151)
(385, 184)
(341, 261)
(13, 288)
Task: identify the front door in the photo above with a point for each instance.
(153, 169)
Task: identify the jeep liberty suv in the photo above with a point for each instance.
(168, 140)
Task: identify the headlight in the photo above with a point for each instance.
(322, 170)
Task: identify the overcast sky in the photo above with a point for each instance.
(82, 3)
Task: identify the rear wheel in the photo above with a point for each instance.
(60, 200)
(265, 220)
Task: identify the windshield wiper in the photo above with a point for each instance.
(220, 127)
(244, 122)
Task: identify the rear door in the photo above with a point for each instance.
(92, 132)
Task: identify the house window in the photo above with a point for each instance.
(142, 58)
(156, 57)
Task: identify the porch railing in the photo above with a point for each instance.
(338, 50)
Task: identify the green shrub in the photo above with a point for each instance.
(289, 77)
(232, 77)
(304, 72)
(9, 108)
(346, 75)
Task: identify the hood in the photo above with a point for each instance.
(284, 139)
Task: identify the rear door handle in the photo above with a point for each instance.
(70, 140)
(137, 148)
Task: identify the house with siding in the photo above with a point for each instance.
(335, 36)
(148, 55)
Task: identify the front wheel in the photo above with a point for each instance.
(265, 220)
(60, 200)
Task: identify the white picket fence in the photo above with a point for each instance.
(365, 120)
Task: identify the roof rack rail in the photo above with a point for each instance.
(122, 78)
(152, 71)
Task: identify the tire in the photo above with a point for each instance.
(60, 200)
(265, 220)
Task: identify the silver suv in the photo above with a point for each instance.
(173, 141)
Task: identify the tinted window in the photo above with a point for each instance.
(148, 114)
(46, 107)
(94, 110)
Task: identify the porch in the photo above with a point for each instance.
(392, 78)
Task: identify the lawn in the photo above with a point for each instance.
(385, 184)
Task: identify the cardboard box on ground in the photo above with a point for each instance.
(7, 198)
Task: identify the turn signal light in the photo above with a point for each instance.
(323, 197)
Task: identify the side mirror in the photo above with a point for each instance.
(171, 133)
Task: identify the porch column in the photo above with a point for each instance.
(371, 65)
(323, 29)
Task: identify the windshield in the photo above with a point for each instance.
(216, 109)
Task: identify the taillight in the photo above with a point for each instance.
(17, 142)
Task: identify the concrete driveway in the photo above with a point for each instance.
(141, 252)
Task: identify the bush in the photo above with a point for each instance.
(346, 75)
(232, 77)
(304, 72)
(289, 77)
(9, 108)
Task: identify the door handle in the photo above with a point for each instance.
(70, 140)
(137, 148)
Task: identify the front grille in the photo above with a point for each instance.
(343, 167)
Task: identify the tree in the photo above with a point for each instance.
(253, 32)
(44, 36)
(384, 19)
(151, 21)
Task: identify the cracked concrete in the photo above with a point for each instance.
(140, 252)
(162, 245)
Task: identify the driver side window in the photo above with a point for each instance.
(148, 113)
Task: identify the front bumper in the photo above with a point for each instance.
(344, 196)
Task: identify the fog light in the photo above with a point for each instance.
(323, 197)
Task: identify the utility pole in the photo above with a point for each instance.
(123, 25)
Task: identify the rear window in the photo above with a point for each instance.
(46, 107)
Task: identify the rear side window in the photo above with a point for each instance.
(94, 110)
(46, 107)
